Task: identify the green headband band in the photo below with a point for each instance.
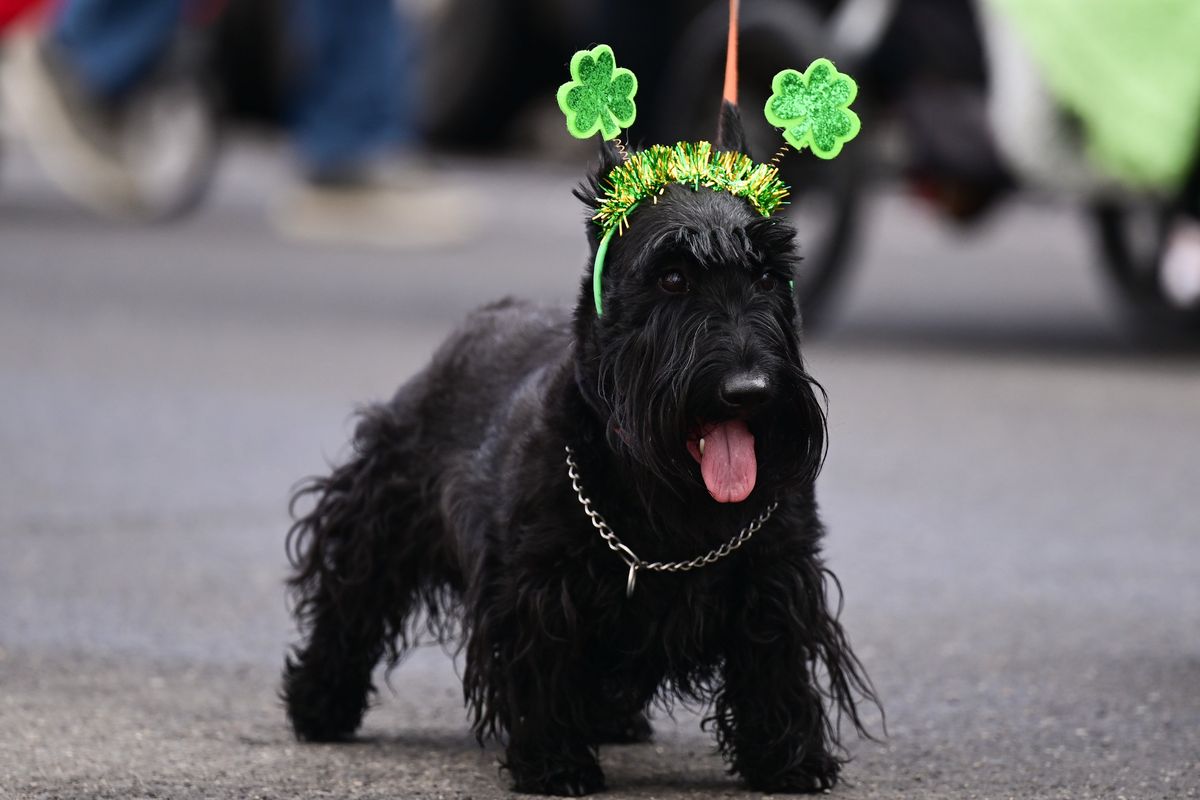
(647, 174)
(812, 107)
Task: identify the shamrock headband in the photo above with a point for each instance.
(812, 107)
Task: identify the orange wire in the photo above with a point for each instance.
(731, 56)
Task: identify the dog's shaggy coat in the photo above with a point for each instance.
(455, 516)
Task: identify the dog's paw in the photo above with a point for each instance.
(563, 780)
(318, 718)
(631, 730)
(323, 722)
(809, 777)
(319, 712)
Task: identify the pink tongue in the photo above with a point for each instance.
(727, 464)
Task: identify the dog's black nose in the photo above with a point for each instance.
(746, 389)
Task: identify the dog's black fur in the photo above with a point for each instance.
(455, 517)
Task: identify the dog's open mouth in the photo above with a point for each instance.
(725, 453)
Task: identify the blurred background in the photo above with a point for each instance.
(224, 224)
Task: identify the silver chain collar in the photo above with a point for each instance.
(631, 558)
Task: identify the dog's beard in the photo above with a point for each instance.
(660, 383)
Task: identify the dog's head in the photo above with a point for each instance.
(695, 363)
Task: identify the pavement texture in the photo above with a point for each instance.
(1010, 493)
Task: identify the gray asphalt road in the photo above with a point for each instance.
(1010, 494)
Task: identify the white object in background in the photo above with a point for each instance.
(1030, 128)
(1179, 275)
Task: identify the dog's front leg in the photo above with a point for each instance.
(771, 723)
(546, 697)
(545, 757)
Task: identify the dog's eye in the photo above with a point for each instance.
(766, 282)
(673, 282)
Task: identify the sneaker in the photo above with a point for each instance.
(73, 136)
(399, 206)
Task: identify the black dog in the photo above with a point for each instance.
(456, 516)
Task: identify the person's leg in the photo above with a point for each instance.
(351, 118)
(110, 44)
(351, 101)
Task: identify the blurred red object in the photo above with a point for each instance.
(10, 10)
(200, 12)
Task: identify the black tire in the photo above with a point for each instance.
(825, 198)
(1131, 241)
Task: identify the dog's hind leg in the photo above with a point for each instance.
(368, 558)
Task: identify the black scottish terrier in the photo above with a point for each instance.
(689, 412)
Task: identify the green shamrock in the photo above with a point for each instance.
(600, 96)
(812, 108)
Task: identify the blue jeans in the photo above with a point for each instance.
(348, 100)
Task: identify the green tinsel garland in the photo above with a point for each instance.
(646, 174)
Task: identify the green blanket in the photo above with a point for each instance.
(1131, 70)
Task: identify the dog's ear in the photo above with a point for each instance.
(731, 135)
(591, 188)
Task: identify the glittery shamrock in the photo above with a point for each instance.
(813, 108)
(600, 96)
